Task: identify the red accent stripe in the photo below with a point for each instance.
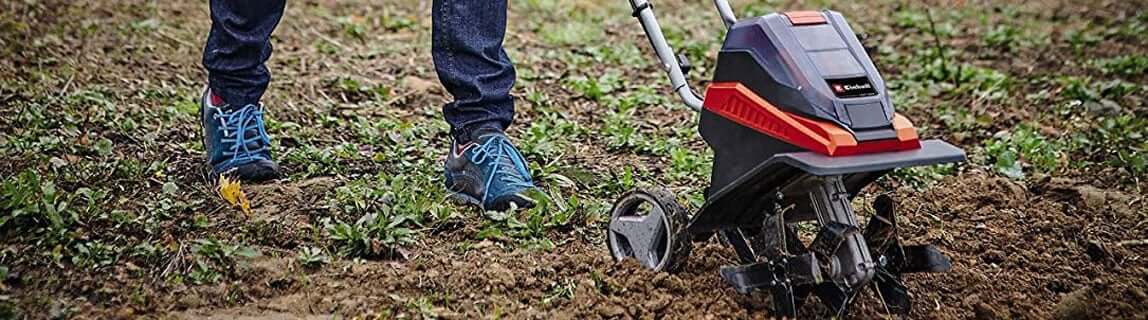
(802, 18)
(736, 102)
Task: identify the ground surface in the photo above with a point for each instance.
(106, 213)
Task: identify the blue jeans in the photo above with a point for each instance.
(466, 44)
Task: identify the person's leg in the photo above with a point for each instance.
(466, 44)
(483, 167)
(238, 45)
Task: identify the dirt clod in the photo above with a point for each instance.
(1097, 251)
(993, 256)
(983, 311)
(1074, 306)
(611, 311)
(1091, 197)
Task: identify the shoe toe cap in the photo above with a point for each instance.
(255, 171)
(520, 199)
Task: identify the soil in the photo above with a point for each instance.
(1063, 245)
(1017, 252)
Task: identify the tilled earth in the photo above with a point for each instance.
(1067, 242)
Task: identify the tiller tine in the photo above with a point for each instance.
(881, 232)
(836, 297)
(746, 278)
(895, 259)
(918, 258)
(901, 260)
(788, 280)
(881, 235)
(892, 292)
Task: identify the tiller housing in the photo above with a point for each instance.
(799, 121)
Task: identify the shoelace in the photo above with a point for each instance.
(235, 125)
(512, 173)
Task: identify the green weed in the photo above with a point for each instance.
(596, 88)
(325, 47)
(1131, 29)
(393, 23)
(352, 26)
(1119, 141)
(353, 90)
(94, 255)
(689, 165)
(529, 227)
(1023, 150)
(312, 257)
(1129, 65)
(626, 54)
(315, 161)
(963, 79)
(1090, 98)
(1002, 37)
(549, 135)
(373, 235)
(621, 126)
(1082, 38)
(215, 259)
(386, 207)
(35, 207)
(921, 178)
(922, 21)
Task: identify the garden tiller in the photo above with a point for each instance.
(800, 122)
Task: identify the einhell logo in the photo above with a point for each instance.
(852, 87)
(838, 88)
(846, 88)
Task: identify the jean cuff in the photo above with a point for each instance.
(231, 96)
(472, 131)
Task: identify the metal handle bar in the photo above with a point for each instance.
(726, 13)
(645, 14)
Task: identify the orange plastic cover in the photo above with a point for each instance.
(800, 18)
(736, 102)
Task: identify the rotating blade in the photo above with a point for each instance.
(893, 293)
(740, 242)
(921, 258)
(881, 231)
(784, 302)
(836, 298)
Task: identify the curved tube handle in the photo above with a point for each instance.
(644, 11)
(645, 14)
(726, 13)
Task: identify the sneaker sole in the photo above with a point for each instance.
(465, 199)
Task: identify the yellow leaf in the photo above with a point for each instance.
(232, 191)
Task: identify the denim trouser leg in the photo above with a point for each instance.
(238, 46)
(466, 44)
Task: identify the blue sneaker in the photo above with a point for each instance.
(488, 172)
(236, 141)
